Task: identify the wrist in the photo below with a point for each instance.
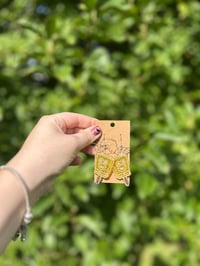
(12, 187)
(27, 217)
(31, 175)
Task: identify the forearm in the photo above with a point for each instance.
(12, 194)
(18, 191)
(12, 205)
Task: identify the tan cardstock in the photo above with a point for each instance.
(112, 153)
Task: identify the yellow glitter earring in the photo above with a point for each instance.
(121, 169)
(103, 167)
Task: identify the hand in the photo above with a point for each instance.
(53, 145)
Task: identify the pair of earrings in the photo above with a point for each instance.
(106, 165)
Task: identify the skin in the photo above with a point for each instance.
(52, 146)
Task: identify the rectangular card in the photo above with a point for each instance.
(112, 153)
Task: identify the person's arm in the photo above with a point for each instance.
(52, 145)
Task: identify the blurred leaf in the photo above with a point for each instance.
(146, 185)
(51, 26)
(91, 3)
(91, 225)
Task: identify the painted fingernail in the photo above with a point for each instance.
(96, 131)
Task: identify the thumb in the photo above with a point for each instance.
(87, 136)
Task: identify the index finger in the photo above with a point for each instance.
(69, 120)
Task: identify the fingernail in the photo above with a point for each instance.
(96, 131)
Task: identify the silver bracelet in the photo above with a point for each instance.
(28, 213)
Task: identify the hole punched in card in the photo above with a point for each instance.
(112, 153)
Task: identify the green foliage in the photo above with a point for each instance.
(115, 59)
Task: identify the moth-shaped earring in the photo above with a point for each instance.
(121, 166)
(103, 167)
(121, 169)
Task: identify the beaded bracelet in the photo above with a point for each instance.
(28, 213)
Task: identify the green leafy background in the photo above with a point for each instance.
(117, 59)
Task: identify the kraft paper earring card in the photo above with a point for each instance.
(112, 153)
